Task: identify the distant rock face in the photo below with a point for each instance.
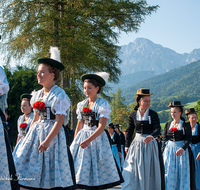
(144, 55)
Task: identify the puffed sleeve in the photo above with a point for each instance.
(78, 111)
(62, 104)
(4, 85)
(104, 110)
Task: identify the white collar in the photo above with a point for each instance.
(179, 125)
(144, 117)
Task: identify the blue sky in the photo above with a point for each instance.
(174, 25)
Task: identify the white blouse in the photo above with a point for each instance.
(101, 108)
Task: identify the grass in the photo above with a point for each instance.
(162, 125)
(190, 105)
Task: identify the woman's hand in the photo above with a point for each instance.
(179, 152)
(44, 145)
(148, 139)
(198, 156)
(85, 143)
(54, 131)
(120, 155)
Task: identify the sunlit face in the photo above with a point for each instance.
(111, 130)
(44, 77)
(145, 102)
(192, 119)
(25, 107)
(176, 113)
(90, 90)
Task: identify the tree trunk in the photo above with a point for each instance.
(73, 115)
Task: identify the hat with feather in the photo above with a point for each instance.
(101, 77)
(54, 60)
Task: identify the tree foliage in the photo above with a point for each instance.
(85, 32)
(197, 108)
(120, 111)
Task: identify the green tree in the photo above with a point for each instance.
(116, 103)
(197, 108)
(85, 31)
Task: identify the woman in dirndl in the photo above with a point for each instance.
(115, 143)
(122, 142)
(94, 163)
(176, 140)
(8, 177)
(142, 166)
(42, 159)
(24, 121)
(191, 115)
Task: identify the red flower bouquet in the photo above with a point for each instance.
(23, 125)
(174, 129)
(39, 105)
(23, 128)
(87, 109)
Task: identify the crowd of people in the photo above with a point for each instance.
(97, 158)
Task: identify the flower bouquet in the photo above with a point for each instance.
(174, 129)
(40, 107)
(23, 128)
(88, 116)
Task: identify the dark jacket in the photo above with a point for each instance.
(151, 127)
(116, 140)
(178, 135)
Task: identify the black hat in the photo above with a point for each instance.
(51, 62)
(117, 126)
(190, 111)
(143, 92)
(111, 125)
(93, 76)
(28, 96)
(175, 104)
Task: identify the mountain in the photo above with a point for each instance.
(180, 81)
(127, 80)
(144, 55)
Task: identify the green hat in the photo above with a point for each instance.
(51, 62)
(93, 76)
(175, 104)
(28, 96)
